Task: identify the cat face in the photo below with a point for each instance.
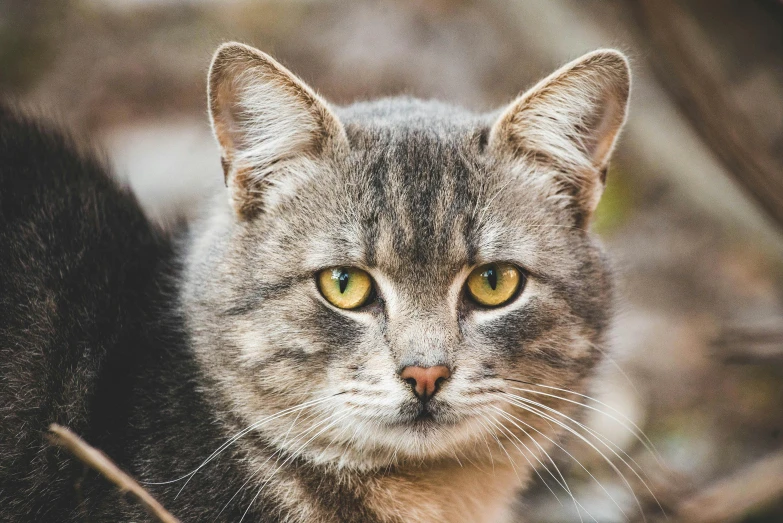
(389, 276)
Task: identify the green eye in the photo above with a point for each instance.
(345, 287)
(494, 284)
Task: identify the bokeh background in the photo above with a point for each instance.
(692, 212)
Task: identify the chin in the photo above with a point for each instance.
(412, 438)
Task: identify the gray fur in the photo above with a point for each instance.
(161, 358)
(416, 193)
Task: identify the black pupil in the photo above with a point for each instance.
(343, 279)
(492, 277)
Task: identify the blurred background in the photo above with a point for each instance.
(692, 213)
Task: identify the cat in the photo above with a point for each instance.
(382, 322)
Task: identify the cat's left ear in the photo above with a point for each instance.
(570, 121)
(271, 127)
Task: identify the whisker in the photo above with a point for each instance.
(616, 365)
(563, 450)
(510, 459)
(562, 481)
(480, 220)
(606, 442)
(332, 440)
(287, 460)
(563, 484)
(638, 432)
(277, 453)
(592, 431)
(491, 458)
(535, 469)
(457, 458)
(244, 432)
(527, 406)
(647, 444)
(253, 475)
(240, 434)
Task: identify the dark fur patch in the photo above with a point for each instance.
(89, 339)
(102, 330)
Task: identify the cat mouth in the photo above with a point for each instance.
(417, 414)
(424, 416)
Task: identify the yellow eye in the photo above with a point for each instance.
(494, 284)
(345, 287)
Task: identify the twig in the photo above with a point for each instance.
(731, 499)
(96, 459)
(681, 58)
(759, 345)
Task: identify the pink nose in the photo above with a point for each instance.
(425, 381)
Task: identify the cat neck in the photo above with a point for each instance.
(448, 492)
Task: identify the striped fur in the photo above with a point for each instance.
(416, 193)
(219, 376)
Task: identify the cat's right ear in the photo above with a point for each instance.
(569, 122)
(271, 127)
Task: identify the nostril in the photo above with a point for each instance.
(425, 381)
(439, 382)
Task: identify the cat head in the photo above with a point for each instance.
(385, 278)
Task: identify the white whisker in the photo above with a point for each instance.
(292, 456)
(563, 450)
(239, 435)
(510, 459)
(637, 432)
(530, 405)
(563, 484)
(598, 435)
(491, 458)
(253, 475)
(533, 467)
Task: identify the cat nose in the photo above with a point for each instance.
(425, 381)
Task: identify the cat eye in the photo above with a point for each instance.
(345, 287)
(494, 284)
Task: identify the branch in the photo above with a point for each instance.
(732, 498)
(761, 345)
(96, 459)
(682, 58)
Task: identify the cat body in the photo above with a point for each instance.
(222, 370)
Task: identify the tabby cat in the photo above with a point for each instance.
(384, 321)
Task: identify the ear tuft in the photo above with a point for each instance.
(571, 121)
(268, 124)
